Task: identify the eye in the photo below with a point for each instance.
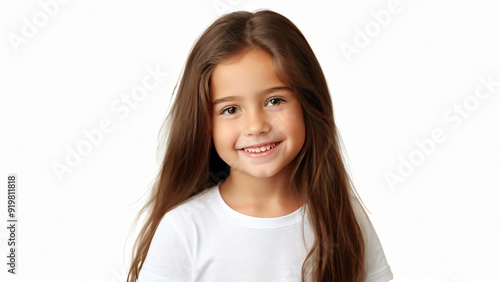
(230, 110)
(275, 101)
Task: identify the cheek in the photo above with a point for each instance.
(295, 126)
(299, 132)
(293, 120)
(223, 136)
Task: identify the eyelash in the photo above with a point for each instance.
(270, 99)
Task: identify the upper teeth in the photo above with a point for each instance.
(261, 149)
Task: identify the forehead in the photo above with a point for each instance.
(248, 72)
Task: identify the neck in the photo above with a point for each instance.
(263, 197)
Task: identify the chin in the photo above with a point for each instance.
(263, 174)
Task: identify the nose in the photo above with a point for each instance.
(256, 123)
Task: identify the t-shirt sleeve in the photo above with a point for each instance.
(168, 258)
(377, 268)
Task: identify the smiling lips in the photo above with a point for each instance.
(260, 149)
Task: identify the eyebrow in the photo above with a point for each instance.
(264, 92)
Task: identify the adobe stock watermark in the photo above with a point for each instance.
(118, 276)
(121, 108)
(455, 279)
(328, 246)
(31, 27)
(225, 6)
(454, 116)
(363, 37)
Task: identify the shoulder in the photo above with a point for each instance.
(378, 270)
(191, 209)
(177, 228)
(172, 250)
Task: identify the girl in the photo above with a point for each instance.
(253, 185)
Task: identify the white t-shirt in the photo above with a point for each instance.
(204, 239)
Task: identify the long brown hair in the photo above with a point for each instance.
(191, 163)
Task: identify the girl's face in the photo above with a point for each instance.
(252, 106)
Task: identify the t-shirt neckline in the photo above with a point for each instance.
(251, 221)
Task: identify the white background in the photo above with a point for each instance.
(440, 223)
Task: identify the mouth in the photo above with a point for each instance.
(261, 149)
